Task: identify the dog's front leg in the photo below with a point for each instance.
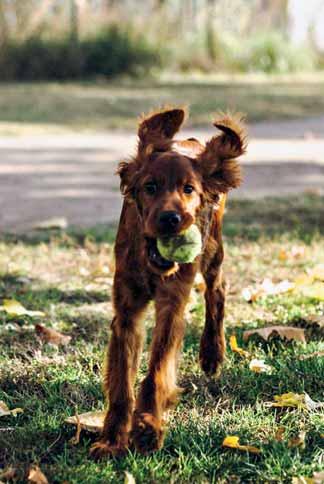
(159, 390)
(120, 372)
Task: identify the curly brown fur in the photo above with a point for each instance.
(189, 181)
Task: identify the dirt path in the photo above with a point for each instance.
(72, 176)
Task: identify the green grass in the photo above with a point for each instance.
(39, 107)
(43, 273)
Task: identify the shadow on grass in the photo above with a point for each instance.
(72, 237)
(69, 104)
(300, 217)
(19, 286)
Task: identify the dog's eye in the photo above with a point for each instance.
(150, 188)
(188, 189)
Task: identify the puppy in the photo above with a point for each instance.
(167, 186)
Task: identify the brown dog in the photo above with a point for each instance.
(167, 186)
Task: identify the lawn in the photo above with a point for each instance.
(68, 276)
(44, 107)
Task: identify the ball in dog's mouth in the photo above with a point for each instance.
(183, 247)
(155, 257)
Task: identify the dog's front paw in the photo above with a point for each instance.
(147, 433)
(102, 449)
(211, 357)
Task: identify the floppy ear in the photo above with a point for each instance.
(218, 165)
(128, 172)
(155, 132)
(159, 128)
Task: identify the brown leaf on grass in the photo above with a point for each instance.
(76, 438)
(4, 410)
(298, 440)
(296, 252)
(235, 347)
(49, 335)
(232, 441)
(8, 474)
(36, 476)
(279, 435)
(318, 478)
(316, 320)
(316, 354)
(295, 400)
(288, 332)
(14, 308)
(91, 421)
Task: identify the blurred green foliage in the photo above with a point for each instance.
(110, 52)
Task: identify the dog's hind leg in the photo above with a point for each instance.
(212, 344)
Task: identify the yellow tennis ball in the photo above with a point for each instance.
(183, 247)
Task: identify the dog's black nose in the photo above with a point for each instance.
(169, 220)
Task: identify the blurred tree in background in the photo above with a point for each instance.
(110, 37)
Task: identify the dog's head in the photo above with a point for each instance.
(170, 181)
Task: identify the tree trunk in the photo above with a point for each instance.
(74, 21)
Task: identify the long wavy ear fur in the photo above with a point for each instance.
(155, 132)
(218, 164)
(158, 128)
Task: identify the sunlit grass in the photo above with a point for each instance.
(68, 276)
(52, 107)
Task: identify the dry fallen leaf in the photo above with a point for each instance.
(316, 319)
(4, 410)
(232, 441)
(314, 291)
(52, 223)
(49, 335)
(295, 400)
(298, 440)
(235, 347)
(76, 439)
(279, 435)
(91, 421)
(14, 308)
(36, 476)
(288, 332)
(318, 272)
(296, 252)
(266, 288)
(283, 254)
(318, 478)
(302, 480)
(316, 354)
(8, 474)
(259, 366)
(251, 294)
(311, 284)
(129, 478)
(199, 283)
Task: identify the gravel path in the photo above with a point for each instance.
(72, 176)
